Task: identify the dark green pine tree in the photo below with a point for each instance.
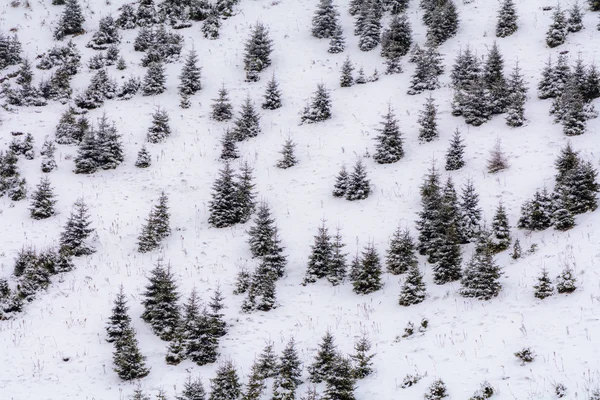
(108, 142)
(226, 384)
(337, 44)
(371, 30)
(368, 278)
(48, 158)
(87, 154)
(263, 232)
(566, 281)
(127, 358)
(566, 162)
(347, 80)
(341, 183)
(154, 80)
(160, 129)
(267, 362)
(127, 19)
(413, 290)
(190, 80)
(507, 19)
(138, 394)
(580, 188)
(594, 5)
(436, 391)
(517, 94)
(107, 34)
(76, 232)
(544, 287)
(257, 53)
(320, 369)
(246, 196)
(469, 224)
(325, 20)
(574, 115)
(272, 95)
(363, 364)
(211, 25)
(536, 214)
(192, 390)
(228, 146)
(443, 23)
(428, 122)
(337, 263)
(482, 274)
(43, 201)
(321, 255)
(161, 310)
(557, 32)
(177, 346)
(201, 345)
(26, 258)
(146, 14)
(288, 159)
(157, 226)
(261, 294)
(225, 202)
(288, 374)
(517, 252)
(256, 383)
(389, 147)
(71, 21)
(221, 107)
(319, 108)
(119, 321)
(448, 254)
(545, 86)
(143, 158)
(247, 124)
(217, 322)
(67, 131)
(429, 216)
(358, 186)
(495, 83)
(401, 254)
(397, 39)
(500, 239)
(340, 385)
(592, 83)
(455, 154)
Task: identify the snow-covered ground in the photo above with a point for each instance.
(468, 341)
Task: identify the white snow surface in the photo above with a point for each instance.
(468, 340)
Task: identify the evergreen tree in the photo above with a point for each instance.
(109, 146)
(226, 384)
(594, 5)
(201, 343)
(497, 161)
(161, 310)
(107, 34)
(516, 253)
(566, 281)
(71, 21)
(566, 162)
(146, 13)
(225, 202)
(245, 194)
(592, 83)
(574, 22)
(347, 80)
(337, 264)
(545, 86)
(221, 107)
(428, 121)
(429, 216)
(574, 117)
(516, 100)
(341, 183)
(154, 81)
(320, 369)
(363, 366)
(289, 373)
(127, 19)
(482, 274)
(86, 161)
(319, 108)
(426, 73)
(436, 391)
(256, 383)
(358, 186)
(340, 385)
(211, 25)
(495, 83)
(129, 362)
(42, 202)
(76, 231)
(413, 290)
(393, 66)
(470, 213)
(143, 158)
(475, 104)
(466, 69)
(157, 226)
(449, 257)
(557, 32)
(119, 321)
(288, 159)
(337, 44)
(47, 153)
(500, 239)
(397, 39)
(507, 19)
(455, 154)
(544, 286)
(160, 129)
(228, 146)
(325, 20)
(272, 95)
(389, 147)
(267, 362)
(138, 394)
(368, 278)
(371, 30)
(247, 124)
(536, 214)
(225, 7)
(579, 188)
(258, 50)
(401, 254)
(129, 89)
(191, 75)
(443, 22)
(218, 325)
(261, 294)
(263, 233)
(69, 130)
(321, 256)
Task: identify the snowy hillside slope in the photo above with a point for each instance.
(468, 340)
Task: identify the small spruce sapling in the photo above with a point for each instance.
(43, 201)
(221, 107)
(288, 158)
(566, 281)
(436, 391)
(413, 290)
(455, 154)
(401, 254)
(143, 158)
(544, 287)
(363, 364)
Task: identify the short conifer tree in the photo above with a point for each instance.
(363, 364)
(368, 278)
(358, 186)
(129, 362)
(191, 75)
(272, 95)
(221, 107)
(389, 147)
(544, 287)
(346, 79)
(160, 129)
(157, 226)
(428, 122)
(155, 80)
(482, 274)
(288, 158)
(507, 19)
(401, 254)
(143, 158)
(73, 239)
(341, 381)
(161, 308)
(320, 369)
(247, 124)
(119, 320)
(413, 290)
(289, 373)
(319, 108)
(226, 384)
(228, 146)
(566, 281)
(43, 201)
